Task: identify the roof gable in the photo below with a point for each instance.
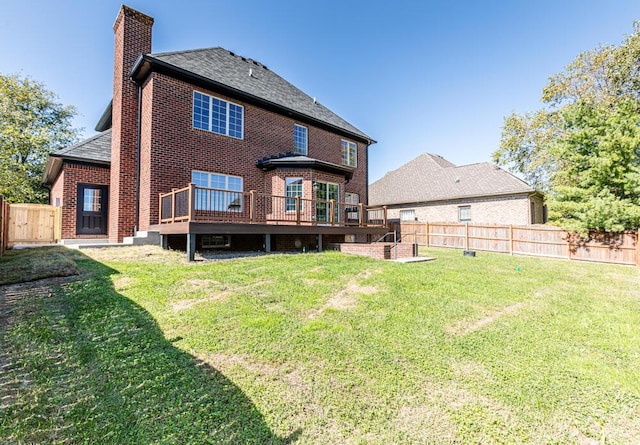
(95, 150)
(249, 77)
(432, 178)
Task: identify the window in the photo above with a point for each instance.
(464, 213)
(225, 196)
(293, 188)
(216, 241)
(408, 215)
(92, 200)
(300, 139)
(217, 115)
(349, 154)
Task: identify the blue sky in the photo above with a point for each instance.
(418, 76)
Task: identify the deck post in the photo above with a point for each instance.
(298, 210)
(173, 205)
(267, 243)
(384, 216)
(252, 205)
(164, 242)
(160, 208)
(332, 216)
(320, 242)
(191, 246)
(192, 201)
(361, 215)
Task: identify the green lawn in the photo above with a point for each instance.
(143, 347)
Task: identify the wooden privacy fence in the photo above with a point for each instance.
(542, 241)
(32, 224)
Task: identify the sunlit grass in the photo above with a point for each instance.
(329, 348)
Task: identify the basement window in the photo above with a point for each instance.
(216, 241)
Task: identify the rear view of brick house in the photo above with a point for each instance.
(269, 166)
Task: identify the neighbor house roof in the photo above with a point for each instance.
(95, 150)
(246, 78)
(430, 177)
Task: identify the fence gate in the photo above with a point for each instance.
(33, 224)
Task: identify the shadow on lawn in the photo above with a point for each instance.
(115, 378)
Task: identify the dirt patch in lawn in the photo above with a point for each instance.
(347, 298)
(464, 327)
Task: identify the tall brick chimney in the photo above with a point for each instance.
(132, 31)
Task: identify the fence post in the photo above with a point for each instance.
(638, 248)
(57, 224)
(466, 236)
(510, 239)
(426, 233)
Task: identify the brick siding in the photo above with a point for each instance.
(512, 209)
(171, 148)
(65, 188)
(132, 32)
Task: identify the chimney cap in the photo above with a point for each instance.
(127, 11)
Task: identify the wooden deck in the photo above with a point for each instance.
(199, 210)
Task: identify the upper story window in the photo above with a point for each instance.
(217, 115)
(220, 192)
(300, 139)
(349, 154)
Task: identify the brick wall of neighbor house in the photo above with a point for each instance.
(513, 209)
(173, 148)
(66, 184)
(132, 33)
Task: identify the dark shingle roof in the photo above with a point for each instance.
(255, 79)
(96, 148)
(432, 178)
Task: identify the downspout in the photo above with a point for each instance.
(139, 137)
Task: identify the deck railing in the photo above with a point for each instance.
(202, 204)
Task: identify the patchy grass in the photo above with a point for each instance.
(323, 348)
(18, 266)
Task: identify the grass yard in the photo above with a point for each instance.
(143, 347)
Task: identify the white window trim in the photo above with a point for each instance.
(226, 189)
(306, 141)
(355, 153)
(460, 208)
(405, 212)
(210, 130)
(293, 197)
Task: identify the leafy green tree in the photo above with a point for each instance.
(596, 183)
(583, 147)
(32, 125)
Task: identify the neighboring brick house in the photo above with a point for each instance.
(271, 167)
(432, 189)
